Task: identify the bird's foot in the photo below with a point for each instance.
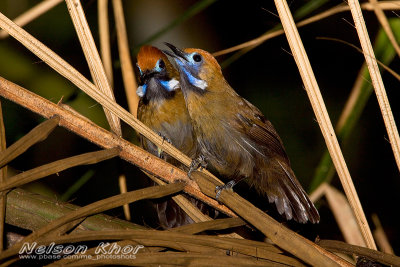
(165, 138)
(228, 186)
(159, 150)
(197, 163)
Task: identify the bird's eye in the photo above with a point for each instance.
(161, 64)
(197, 58)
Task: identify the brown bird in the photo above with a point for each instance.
(162, 108)
(235, 138)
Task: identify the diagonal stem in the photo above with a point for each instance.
(376, 78)
(322, 116)
(93, 59)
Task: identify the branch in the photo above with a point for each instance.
(282, 236)
(62, 67)
(32, 211)
(57, 166)
(376, 79)
(88, 130)
(3, 175)
(104, 39)
(70, 218)
(39, 133)
(204, 244)
(128, 74)
(93, 59)
(278, 233)
(341, 247)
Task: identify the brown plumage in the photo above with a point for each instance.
(162, 108)
(235, 137)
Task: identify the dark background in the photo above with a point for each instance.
(267, 76)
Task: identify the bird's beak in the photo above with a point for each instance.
(177, 53)
(146, 75)
(188, 73)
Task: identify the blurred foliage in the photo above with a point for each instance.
(304, 10)
(385, 53)
(190, 12)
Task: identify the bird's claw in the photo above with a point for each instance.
(165, 138)
(228, 186)
(197, 163)
(159, 150)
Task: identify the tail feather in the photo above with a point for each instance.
(290, 198)
(170, 215)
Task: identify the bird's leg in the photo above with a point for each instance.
(159, 150)
(197, 163)
(228, 186)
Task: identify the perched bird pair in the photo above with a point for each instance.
(197, 110)
(162, 108)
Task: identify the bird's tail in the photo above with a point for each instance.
(291, 200)
(171, 215)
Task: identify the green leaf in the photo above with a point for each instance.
(77, 185)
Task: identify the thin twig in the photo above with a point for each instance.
(33, 211)
(217, 224)
(94, 251)
(123, 189)
(128, 74)
(383, 65)
(3, 176)
(344, 216)
(182, 241)
(93, 59)
(376, 79)
(32, 14)
(39, 133)
(104, 34)
(385, 25)
(57, 166)
(386, 5)
(380, 236)
(322, 116)
(278, 233)
(352, 100)
(342, 247)
(360, 93)
(318, 193)
(176, 259)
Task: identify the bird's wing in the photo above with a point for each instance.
(260, 130)
(281, 186)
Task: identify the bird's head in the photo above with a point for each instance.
(199, 70)
(158, 77)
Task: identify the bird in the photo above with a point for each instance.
(162, 108)
(235, 138)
